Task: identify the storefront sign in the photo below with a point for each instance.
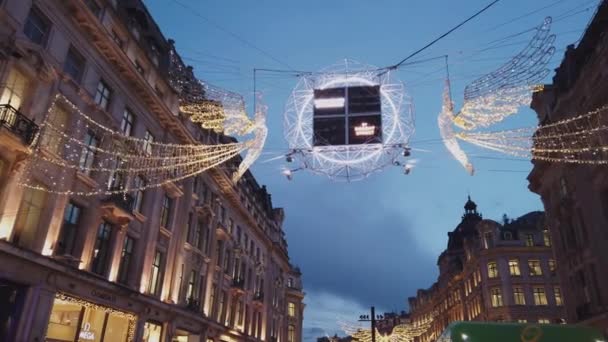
(86, 333)
(108, 297)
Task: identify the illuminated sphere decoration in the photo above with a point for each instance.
(348, 121)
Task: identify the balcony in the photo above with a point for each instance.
(18, 124)
(238, 285)
(118, 208)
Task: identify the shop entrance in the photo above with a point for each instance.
(11, 304)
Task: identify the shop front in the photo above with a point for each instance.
(77, 320)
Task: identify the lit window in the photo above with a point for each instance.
(291, 333)
(291, 309)
(496, 296)
(128, 119)
(37, 27)
(165, 212)
(148, 140)
(152, 332)
(101, 251)
(15, 90)
(191, 292)
(518, 296)
(540, 297)
(103, 95)
(51, 140)
(125, 260)
(514, 267)
(529, 240)
(552, 266)
(74, 64)
(492, 270)
(28, 216)
(535, 269)
(558, 296)
(546, 238)
(522, 321)
(156, 276)
(543, 321)
(488, 240)
(67, 237)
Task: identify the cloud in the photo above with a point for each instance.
(324, 313)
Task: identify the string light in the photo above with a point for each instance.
(116, 163)
(404, 332)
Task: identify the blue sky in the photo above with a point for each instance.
(376, 241)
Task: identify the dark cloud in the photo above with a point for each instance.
(357, 246)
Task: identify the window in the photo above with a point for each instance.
(138, 183)
(204, 245)
(540, 298)
(552, 267)
(212, 311)
(191, 292)
(514, 267)
(117, 177)
(15, 90)
(488, 240)
(496, 296)
(148, 140)
(291, 333)
(557, 292)
(165, 212)
(230, 225)
(117, 39)
(222, 214)
(227, 261)
(522, 321)
(190, 231)
(529, 240)
(103, 95)
(543, 321)
(546, 238)
(51, 140)
(156, 276)
(221, 308)
(125, 260)
(101, 252)
(218, 252)
(140, 69)
(128, 120)
(492, 270)
(518, 296)
(87, 156)
(196, 239)
(291, 309)
(535, 269)
(74, 64)
(152, 332)
(37, 27)
(28, 216)
(67, 237)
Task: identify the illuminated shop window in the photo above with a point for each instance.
(152, 332)
(77, 320)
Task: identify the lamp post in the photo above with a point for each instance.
(373, 319)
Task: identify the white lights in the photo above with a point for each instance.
(348, 162)
(364, 130)
(494, 97)
(464, 336)
(337, 102)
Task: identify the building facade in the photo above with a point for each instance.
(575, 195)
(202, 259)
(491, 272)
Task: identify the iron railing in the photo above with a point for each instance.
(19, 124)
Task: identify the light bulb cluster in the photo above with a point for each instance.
(404, 332)
(579, 140)
(114, 163)
(496, 96)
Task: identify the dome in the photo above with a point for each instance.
(470, 205)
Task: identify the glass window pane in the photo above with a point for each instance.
(117, 328)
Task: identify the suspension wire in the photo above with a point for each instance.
(442, 36)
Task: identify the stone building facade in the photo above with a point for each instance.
(575, 195)
(491, 272)
(202, 259)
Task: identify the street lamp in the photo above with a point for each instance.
(373, 319)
